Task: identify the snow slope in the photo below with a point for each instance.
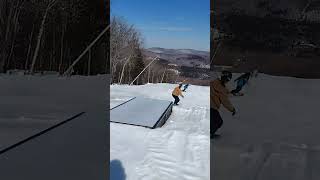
(74, 150)
(274, 134)
(30, 104)
(178, 150)
(279, 103)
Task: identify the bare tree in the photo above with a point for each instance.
(49, 5)
(26, 25)
(9, 25)
(29, 48)
(126, 44)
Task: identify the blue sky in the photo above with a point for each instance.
(174, 24)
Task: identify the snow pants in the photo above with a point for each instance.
(176, 99)
(215, 121)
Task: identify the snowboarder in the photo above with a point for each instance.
(219, 95)
(185, 87)
(241, 81)
(176, 93)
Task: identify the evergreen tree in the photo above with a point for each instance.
(138, 67)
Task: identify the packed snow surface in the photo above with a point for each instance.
(274, 108)
(275, 133)
(74, 150)
(30, 104)
(178, 150)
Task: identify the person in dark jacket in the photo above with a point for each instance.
(185, 87)
(241, 81)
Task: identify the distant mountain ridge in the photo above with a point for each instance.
(180, 57)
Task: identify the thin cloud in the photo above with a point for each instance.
(180, 18)
(169, 28)
(176, 29)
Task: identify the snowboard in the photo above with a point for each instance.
(215, 136)
(237, 94)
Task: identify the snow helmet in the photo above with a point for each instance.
(226, 76)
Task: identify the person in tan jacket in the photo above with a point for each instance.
(219, 95)
(176, 93)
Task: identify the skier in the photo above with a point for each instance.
(176, 93)
(241, 81)
(185, 87)
(219, 95)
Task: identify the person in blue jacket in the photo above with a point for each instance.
(241, 81)
(185, 87)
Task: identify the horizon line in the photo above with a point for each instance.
(178, 48)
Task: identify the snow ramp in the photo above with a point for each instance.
(141, 111)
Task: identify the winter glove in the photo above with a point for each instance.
(233, 112)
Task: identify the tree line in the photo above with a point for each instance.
(48, 35)
(129, 65)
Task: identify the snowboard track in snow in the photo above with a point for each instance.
(179, 164)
